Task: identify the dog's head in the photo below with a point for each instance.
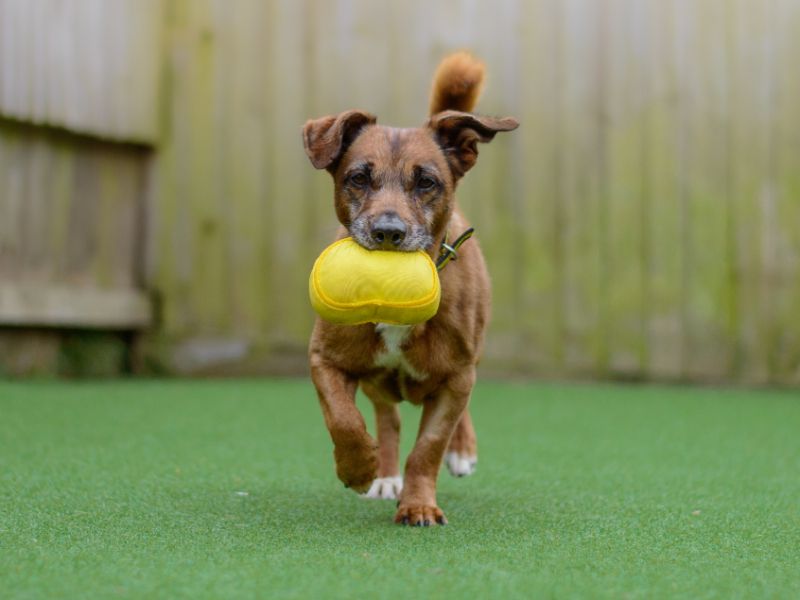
(394, 188)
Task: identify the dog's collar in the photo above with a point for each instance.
(448, 252)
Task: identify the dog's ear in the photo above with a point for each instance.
(327, 139)
(458, 133)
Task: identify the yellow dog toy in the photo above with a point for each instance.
(351, 285)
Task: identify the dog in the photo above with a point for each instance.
(394, 190)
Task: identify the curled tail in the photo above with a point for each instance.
(457, 83)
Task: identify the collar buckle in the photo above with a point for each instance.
(449, 252)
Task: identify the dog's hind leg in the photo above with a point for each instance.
(389, 483)
(462, 453)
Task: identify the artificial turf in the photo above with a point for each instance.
(223, 489)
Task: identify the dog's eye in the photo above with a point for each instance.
(359, 179)
(426, 183)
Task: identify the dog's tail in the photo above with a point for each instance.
(457, 83)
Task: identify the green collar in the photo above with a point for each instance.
(448, 252)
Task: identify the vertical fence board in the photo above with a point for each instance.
(243, 189)
(664, 228)
(749, 168)
(290, 171)
(624, 100)
(787, 126)
(582, 184)
(705, 255)
(538, 140)
(325, 97)
(492, 202)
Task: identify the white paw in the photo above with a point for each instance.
(460, 465)
(385, 488)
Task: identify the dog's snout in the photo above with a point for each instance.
(388, 230)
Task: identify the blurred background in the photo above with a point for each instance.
(158, 213)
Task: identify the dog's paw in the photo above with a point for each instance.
(420, 515)
(385, 488)
(460, 465)
(357, 465)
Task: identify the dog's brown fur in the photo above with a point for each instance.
(457, 83)
(386, 171)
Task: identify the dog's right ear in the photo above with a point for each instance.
(327, 139)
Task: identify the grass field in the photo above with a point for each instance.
(226, 489)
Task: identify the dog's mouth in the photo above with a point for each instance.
(416, 238)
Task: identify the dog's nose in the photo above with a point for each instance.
(388, 230)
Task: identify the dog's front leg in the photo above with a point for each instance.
(354, 449)
(439, 418)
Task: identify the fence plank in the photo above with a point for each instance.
(706, 342)
(291, 254)
(786, 123)
(244, 185)
(664, 128)
(582, 185)
(749, 169)
(624, 102)
(539, 314)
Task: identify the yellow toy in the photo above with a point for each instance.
(350, 285)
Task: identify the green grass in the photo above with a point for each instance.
(137, 489)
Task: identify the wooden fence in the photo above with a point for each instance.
(643, 222)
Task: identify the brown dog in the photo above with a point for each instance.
(394, 189)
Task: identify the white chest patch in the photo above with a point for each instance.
(392, 357)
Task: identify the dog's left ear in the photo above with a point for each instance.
(458, 133)
(327, 139)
